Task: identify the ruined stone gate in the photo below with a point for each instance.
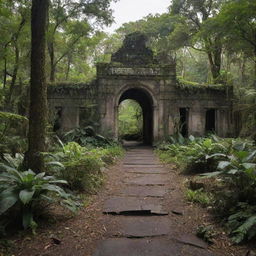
(134, 73)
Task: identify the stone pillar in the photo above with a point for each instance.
(161, 120)
(70, 118)
(222, 127)
(196, 121)
(173, 118)
(155, 124)
(108, 118)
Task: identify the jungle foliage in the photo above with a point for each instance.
(228, 166)
(69, 167)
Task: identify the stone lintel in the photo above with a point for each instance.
(109, 70)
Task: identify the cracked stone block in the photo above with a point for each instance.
(193, 240)
(118, 205)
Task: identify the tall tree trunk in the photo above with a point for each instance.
(38, 88)
(214, 50)
(254, 59)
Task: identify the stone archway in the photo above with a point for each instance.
(145, 100)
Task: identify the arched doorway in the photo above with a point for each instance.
(146, 102)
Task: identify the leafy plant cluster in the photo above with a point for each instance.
(86, 137)
(230, 165)
(192, 155)
(81, 166)
(22, 193)
(71, 167)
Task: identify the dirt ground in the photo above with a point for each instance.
(67, 234)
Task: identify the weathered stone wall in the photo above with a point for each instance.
(77, 103)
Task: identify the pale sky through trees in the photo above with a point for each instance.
(132, 10)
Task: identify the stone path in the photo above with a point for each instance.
(137, 220)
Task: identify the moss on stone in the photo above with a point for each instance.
(189, 85)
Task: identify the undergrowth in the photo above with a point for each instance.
(230, 165)
(82, 167)
(70, 170)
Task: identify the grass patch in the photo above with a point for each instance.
(199, 196)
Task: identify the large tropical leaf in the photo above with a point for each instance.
(210, 174)
(223, 164)
(251, 156)
(55, 163)
(241, 154)
(213, 155)
(8, 198)
(54, 188)
(248, 165)
(241, 232)
(58, 182)
(26, 195)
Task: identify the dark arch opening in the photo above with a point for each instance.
(146, 103)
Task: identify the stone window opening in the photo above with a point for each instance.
(57, 119)
(210, 121)
(184, 115)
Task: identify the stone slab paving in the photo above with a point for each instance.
(150, 166)
(148, 227)
(140, 157)
(148, 179)
(144, 191)
(146, 247)
(145, 170)
(137, 247)
(137, 223)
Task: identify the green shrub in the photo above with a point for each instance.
(237, 199)
(232, 162)
(199, 156)
(86, 137)
(193, 157)
(82, 166)
(239, 173)
(83, 174)
(26, 190)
